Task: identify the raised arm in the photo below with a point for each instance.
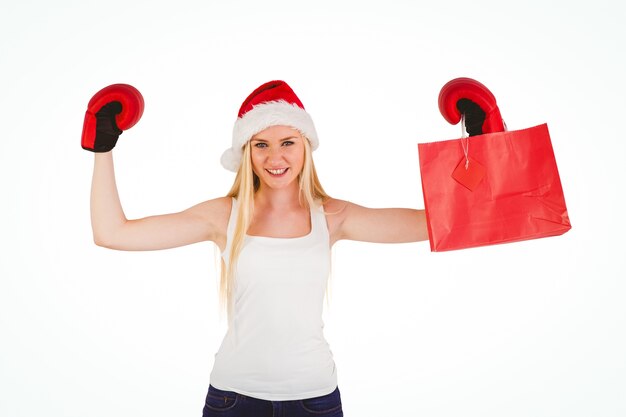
(387, 225)
(111, 229)
(110, 111)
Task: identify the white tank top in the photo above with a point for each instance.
(275, 348)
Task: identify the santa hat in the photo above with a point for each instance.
(274, 103)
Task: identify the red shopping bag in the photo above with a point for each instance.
(492, 188)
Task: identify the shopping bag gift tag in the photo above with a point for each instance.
(469, 173)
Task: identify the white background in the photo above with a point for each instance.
(527, 329)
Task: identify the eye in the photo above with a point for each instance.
(288, 143)
(260, 145)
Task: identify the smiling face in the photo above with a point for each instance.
(277, 155)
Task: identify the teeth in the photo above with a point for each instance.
(277, 171)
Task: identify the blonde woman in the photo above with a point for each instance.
(274, 229)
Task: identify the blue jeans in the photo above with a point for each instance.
(231, 404)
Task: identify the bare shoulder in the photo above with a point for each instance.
(216, 207)
(215, 211)
(339, 209)
(215, 214)
(336, 211)
(334, 205)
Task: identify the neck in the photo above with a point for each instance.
(284, 198)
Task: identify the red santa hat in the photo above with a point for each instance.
(274, 103)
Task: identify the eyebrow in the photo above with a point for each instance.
(280, 140)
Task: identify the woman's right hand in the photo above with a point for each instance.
(110, 111)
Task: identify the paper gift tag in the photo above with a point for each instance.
(469, 173)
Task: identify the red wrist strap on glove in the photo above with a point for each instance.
(467, 88)
(132, 105)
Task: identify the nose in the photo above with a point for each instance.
(275, 154)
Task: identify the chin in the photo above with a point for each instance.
(279, 184)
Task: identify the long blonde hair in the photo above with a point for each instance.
(245, 186)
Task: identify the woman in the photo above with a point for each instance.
(275, 229)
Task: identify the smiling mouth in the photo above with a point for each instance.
(277, 172)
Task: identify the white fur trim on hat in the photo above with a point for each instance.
(262, 116)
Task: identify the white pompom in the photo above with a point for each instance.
(231, 159)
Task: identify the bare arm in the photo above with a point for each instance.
(388, 225)
(111, 228)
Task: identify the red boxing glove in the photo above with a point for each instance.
(110, 111)
(468, 96)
